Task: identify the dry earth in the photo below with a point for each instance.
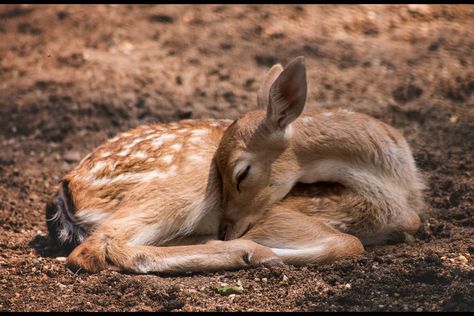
(73, 75)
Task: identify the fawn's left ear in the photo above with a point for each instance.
(264, 91)
(287, 95)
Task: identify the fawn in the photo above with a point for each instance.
(275, 186)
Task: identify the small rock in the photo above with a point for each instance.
(348, 286)
(264, 280)
(257, 279)
(72, 156)
(34, 196)
(462, 259)
(285, 278)
(147, 308)
(61, 258)
(419, 309)
(453, 119)
(409, 239)
(419, 8)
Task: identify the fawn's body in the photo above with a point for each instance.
(155, 198)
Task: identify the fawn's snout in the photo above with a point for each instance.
(232, 229)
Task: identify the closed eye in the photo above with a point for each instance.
(242, 176)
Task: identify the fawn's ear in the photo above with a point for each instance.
(287, 95)
(264, 91)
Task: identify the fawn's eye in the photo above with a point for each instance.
(242, 176)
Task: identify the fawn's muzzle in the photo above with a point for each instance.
(230, 230)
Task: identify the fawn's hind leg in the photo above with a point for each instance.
(299, 239)
(102, 250)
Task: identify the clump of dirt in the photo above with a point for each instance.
(73, 76)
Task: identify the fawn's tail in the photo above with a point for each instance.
(62, 226)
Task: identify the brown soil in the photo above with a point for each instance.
(72, 76)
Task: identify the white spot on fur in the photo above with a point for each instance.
(149, 131)
(195, 140)
(157, 143)
(199, 132)
(133, 143)
(150, 136)
(167, 137)
(195, 157)
(113, 139)
(167, 159)
(124, 153)
(176, 146)
(98, 166)
(131, 176)
(140, 155)
(327, 114)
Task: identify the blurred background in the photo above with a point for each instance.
(72, 76)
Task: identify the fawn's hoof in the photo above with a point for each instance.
(273, 263)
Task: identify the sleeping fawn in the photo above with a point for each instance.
(275, 186)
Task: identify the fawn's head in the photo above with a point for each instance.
(252, 157)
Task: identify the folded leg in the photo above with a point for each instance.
(103, 250)
(299, 239)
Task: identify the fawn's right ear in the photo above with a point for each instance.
(264, 91)
(287, 95)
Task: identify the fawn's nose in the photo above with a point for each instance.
(230, 229)
(225, 227)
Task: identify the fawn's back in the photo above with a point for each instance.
(153, 176)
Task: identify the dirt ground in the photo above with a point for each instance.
(72, 76)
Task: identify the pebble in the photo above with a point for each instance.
(61, 258)
(409, 239)
(147, 308)
(265, 280)
(256, 279)
(348, 286)
(72, 156)
(285, 278)
(419, 309)
(462, 259)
